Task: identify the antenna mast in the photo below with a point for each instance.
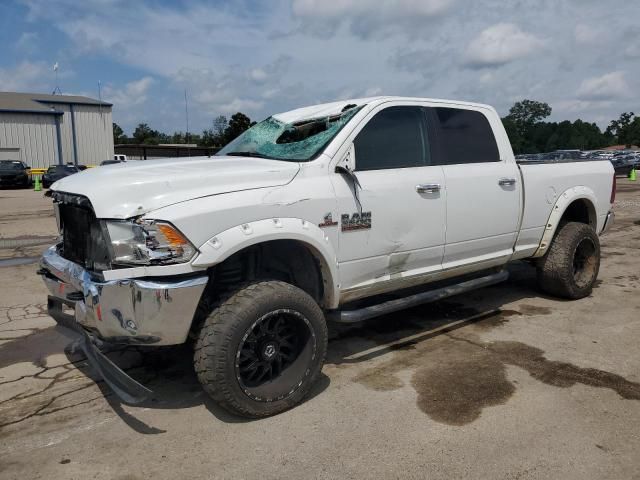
(100, 97)
(57, 87)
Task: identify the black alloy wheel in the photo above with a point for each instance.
(274, 350)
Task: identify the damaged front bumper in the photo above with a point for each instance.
(129, 311)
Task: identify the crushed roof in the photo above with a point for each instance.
(334, 108)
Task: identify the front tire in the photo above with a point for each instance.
(570, 267)
(262, 349)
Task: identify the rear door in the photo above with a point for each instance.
(483, 190)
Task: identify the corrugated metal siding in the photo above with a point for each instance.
(94, 133)
(65, 133)
(33, 134)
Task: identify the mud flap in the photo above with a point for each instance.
(125, 387)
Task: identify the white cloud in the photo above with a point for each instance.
(501, 44)
(388, 9)
(27, 76)
(266, 57)
(158, 39)
(27, 42)
(606, 87)
(133, 93)
(572, 106)
(487, 77)
(240, 105)
(633, 50)
(590, 34)
(365, 19)
(373, 91)
(258, 74)
(235, 89)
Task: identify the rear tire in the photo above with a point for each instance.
(570, 267)
(262, 349)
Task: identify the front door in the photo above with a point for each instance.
(395, 227)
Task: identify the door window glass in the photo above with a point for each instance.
(464, 136)
(394, 138)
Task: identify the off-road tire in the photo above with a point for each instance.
(226, 328)
(575, 243)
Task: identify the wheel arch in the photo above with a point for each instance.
(268, 233)
(576, 204)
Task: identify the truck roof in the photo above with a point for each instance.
(334, 108)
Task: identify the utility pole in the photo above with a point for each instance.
(186, 112)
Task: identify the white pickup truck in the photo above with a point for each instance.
(310, 216)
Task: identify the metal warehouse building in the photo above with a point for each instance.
(44, 130)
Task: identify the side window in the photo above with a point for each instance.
(396, 137)
(464, 136)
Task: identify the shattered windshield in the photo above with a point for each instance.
(298, 141)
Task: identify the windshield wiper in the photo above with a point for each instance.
(249, 154)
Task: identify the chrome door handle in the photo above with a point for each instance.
(428, 188)
(503, 182)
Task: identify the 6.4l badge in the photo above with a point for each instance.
(328, 221)
(357, 221)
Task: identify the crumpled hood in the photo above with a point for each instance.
(136, 187)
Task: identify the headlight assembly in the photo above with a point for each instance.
(148, 242)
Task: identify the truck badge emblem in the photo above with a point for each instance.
(357, 221)
(328, 221)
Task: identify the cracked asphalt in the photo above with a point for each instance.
(501, 383)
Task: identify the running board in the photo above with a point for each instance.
(354, 316)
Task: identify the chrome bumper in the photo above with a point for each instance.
(130, 311)
(608, 222)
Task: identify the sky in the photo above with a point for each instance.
(580, 56)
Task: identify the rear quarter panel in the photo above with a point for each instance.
(545, 183)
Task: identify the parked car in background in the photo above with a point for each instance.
(623, 164)
(56, 172)
(14, 173)
(566, 155)
(110, 162)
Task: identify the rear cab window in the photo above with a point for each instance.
(462, 136)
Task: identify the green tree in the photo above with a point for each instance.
(118, 134)
(238, 123)
(220, 124)
(528, 112)
(622, 129)
(528, 132)
(142, 133)
(517, 141)
(523, 124)
(214, 136)
(632, 134)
